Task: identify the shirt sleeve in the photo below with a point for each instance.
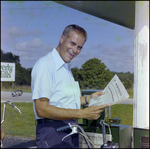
(41, 83)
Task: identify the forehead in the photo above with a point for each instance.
(77, 35)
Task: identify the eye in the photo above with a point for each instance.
(73, 43)
(79, 48)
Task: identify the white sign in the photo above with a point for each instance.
(7, 72)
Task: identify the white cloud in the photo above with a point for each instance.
(15, 33)
(31, 51)
(115, 58)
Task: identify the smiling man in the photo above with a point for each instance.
(56, 95)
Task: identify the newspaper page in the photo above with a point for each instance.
(115, 92)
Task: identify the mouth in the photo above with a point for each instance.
(70, 54)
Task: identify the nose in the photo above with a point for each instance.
(75, 49)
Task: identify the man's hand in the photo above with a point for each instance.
(93, 112)
(95, 94)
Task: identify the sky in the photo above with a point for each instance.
(31, 29)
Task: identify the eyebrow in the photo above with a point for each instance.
(76, 44)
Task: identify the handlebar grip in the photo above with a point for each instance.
(63, 128)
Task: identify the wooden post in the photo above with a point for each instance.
(12, 85)
(141, 68)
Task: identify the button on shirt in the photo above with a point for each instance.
(52, 78)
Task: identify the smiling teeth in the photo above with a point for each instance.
(71, 53)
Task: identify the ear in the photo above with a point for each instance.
(62, 39)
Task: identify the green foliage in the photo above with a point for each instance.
(75, 72)
(9, 57)
(28, 76)
(128, 84)
(126, 78)
(93, 74)
(20, 75)
(25, 89)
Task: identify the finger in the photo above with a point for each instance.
(101, 92)
(101, 106)
(104, 106)
(97, 116)
(100, 111)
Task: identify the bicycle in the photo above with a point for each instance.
(15, 93)
(78, 129)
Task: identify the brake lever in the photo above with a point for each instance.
(13, 105)
(74, 130)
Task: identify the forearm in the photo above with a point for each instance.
(49, 111)
(43, 109)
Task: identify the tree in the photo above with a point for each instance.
(28, 76)
(20, 75)
(128, 84)
(126, 78)
(9, 57)
(75, 72)
(93, 74)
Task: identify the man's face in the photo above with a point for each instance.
(70, 46)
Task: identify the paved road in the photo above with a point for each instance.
(18, 142)
(27, 97)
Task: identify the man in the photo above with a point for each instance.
(56, 95)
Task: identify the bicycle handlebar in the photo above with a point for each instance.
(72, 126)
(12, 105)
(63, 128)
(16, 93)
(108, 144)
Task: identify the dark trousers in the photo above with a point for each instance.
(48, 137)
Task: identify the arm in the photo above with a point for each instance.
(45, 110)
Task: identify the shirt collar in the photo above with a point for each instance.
(58, 60)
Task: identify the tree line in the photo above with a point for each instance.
(93, 74)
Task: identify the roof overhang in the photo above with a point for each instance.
(119, 12)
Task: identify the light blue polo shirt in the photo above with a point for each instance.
(52, 78)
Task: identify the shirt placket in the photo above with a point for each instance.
(71, 79)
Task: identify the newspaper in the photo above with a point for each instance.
(115, 92)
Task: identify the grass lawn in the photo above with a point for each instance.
(124, 112)
(16, 124)
(26, 89)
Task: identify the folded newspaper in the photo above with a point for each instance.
(115, 92)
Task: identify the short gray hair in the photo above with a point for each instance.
(76, 28)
